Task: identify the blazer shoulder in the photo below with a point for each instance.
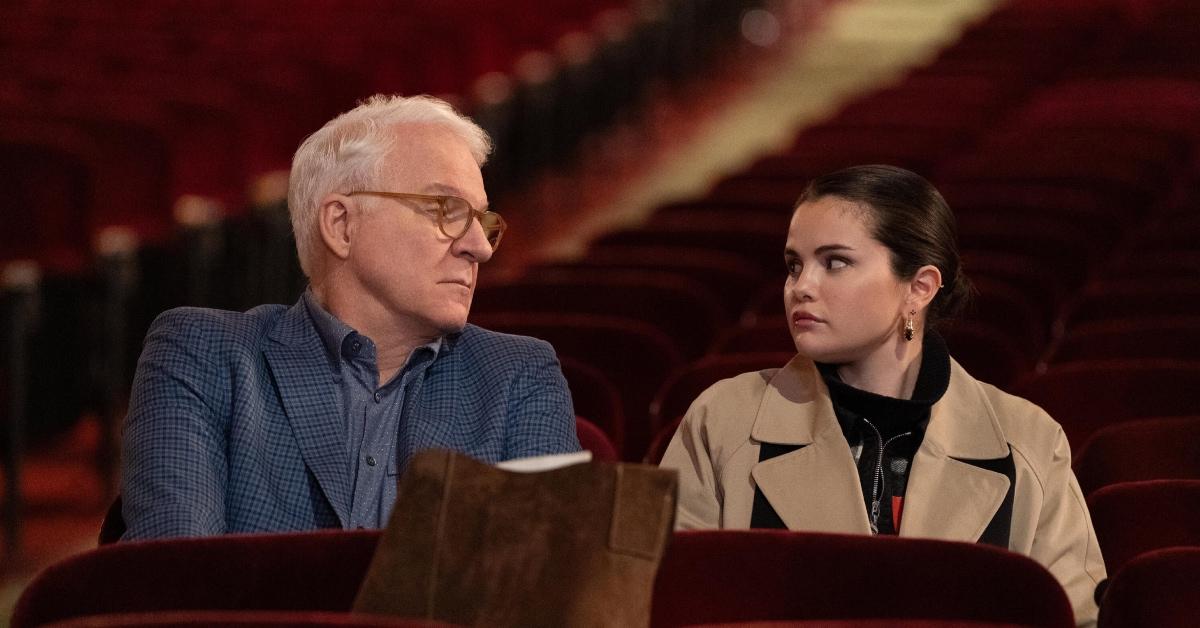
(477, 340)
(217, 329)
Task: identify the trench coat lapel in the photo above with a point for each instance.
(946, 497)
(309, 395)
(815, 487)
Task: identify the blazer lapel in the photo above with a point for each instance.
(947, 498)
(815, 487)
(300, 367)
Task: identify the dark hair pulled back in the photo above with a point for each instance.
(910, 217)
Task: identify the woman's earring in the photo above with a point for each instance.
(908, 326)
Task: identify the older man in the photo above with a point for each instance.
(295, 418)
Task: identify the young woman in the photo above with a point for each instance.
(873, 428)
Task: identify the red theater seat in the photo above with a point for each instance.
(731, 278)
(634, 356)
(1133, 518)
(739, 576)
(861, 623)
(1153, 103)
(1057, 245)
(705, 577)
(987, 353)
(682, 308)
(1033, 197)
(1176, 337)
(315, 571)
(1086, 396)
(1156, 589)
(1046, 291)
(1146, 449)
(764, 334)
(595, 397)
(592, 439)
(244, 619)
(1136, 298)
(1163, 264)
(759, 242)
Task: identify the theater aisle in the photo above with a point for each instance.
(752, 106)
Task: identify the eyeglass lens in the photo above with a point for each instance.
(456, 219)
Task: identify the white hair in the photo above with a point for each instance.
(348, 152)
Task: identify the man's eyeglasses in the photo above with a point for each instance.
(454, 215)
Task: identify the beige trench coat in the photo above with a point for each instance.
(816, 487)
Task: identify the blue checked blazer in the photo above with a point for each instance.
(234, 422)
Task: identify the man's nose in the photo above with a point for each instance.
(474, 244)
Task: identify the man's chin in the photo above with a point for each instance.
(452, 325)
(452, 329)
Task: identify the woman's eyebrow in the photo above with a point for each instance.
(826, 248)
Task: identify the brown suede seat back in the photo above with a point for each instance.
(471, 544)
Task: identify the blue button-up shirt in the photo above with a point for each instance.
(373, 412)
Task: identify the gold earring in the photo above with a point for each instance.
(908, 326)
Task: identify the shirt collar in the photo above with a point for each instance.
(342, 342)
(333, 332)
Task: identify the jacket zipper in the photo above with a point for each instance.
(877, 481)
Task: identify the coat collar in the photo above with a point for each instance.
(816, 487)
(309, 395)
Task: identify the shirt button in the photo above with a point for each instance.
(355, 346)
(378, 397)
(370, 461)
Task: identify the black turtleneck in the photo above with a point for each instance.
(868, 419)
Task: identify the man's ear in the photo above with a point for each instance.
(336, 224)
(923, 287)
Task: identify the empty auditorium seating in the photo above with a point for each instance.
(1004, 307)
(1057, 246)
(987, 353)
(1156, 589)
(1132, 518)
(1045, 291)
(595, 397)
(634, 356)
(48, 190)
(705, 577)
(1164, 264)
(1130, 338)
(1086, 396)
(759, 242)
(1143, 297)
(245, 619)
(1143, 449)
(682, 308)
(765, 333)
(1063, 134)
(729, 277)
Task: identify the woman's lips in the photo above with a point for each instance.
(805, 320)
